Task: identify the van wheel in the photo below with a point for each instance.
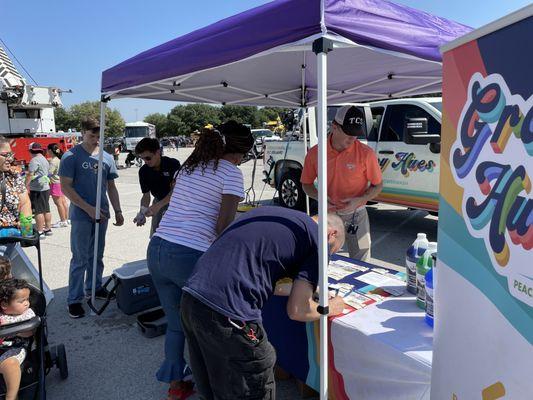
(291, 194)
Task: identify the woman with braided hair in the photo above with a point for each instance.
(207, 191)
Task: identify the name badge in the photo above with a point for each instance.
(166, 173)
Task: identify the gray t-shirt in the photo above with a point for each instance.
(82, 167)
(39, 169)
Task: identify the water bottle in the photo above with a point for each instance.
(429, 297)
(26, 226)
(414, 252)
(423, 265)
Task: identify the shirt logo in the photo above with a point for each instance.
(350, 166)
(166, 173)
(87, 165)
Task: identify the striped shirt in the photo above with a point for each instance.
(193, 211)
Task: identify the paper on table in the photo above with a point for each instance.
(393, 286)
(341, 270)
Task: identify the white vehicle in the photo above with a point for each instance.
(404, 133)
(261, 136)
(134, 132)
(25, 110)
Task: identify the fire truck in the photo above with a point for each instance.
(27, 112)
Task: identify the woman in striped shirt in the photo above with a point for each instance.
(207, 191)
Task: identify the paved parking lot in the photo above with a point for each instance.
(108, 357)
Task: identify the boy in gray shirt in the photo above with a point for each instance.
(38, 185)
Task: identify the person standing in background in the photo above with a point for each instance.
(78, 173)
(55, 154)
(38, 184)
(156, 177)
(354, 177)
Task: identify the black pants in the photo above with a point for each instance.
(225, 363)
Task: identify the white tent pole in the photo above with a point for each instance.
(321, 47)
(304, 125)
(98, 198)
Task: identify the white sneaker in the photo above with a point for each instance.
(60, 224)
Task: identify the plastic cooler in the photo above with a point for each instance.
(135, 290)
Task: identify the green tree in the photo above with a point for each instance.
(72, 117)
(241, 114)
(184, 119)
(161, 123)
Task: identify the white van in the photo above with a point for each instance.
(404, 133)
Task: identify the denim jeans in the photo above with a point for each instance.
(81, 265)
(170, 265)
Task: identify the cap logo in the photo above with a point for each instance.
(356, 120)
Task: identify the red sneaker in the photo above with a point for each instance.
(180, 390)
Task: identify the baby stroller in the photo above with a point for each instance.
(40, 357)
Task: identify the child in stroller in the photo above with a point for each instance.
(15, 307)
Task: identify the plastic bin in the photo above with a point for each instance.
(152, 322)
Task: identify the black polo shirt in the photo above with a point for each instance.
(158, 183)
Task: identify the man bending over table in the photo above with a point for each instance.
(230, 355)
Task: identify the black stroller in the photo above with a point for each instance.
(40, 357)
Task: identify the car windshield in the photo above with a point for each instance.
(262, 133)
(437, 105)
(136, 131)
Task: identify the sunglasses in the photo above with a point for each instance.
(352, 228)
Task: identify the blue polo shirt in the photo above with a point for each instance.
(82, 168)
(237, 274)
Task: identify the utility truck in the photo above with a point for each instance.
(404, 133)
(27, 111)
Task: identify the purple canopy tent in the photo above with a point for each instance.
(311, 52)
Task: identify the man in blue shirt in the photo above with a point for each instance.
(78, 172)
(230, 355)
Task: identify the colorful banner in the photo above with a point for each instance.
(484, 292)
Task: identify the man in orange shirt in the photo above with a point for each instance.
(354, 177)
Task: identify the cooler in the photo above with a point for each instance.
(134, 288)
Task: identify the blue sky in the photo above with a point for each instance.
(67, 44)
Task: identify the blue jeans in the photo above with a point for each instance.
(171, 265)
(81, 265)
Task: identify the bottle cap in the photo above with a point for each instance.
(421, 236)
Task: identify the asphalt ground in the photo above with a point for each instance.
(108, 358)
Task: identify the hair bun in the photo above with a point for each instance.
(239, 138)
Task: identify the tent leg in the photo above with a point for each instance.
(321, 47)
(98, 199)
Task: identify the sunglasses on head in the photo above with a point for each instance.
(7, 154)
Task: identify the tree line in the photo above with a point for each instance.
(181, 120)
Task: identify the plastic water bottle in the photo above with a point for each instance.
(429, 297)
(424, 264)
(414, 252)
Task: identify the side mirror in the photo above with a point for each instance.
(416, 132)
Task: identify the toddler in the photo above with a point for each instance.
(14, 307)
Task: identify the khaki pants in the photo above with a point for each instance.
(358, 244)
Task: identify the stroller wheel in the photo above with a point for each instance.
(61, 361)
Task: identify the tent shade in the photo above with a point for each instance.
(255, 58)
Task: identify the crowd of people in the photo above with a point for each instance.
(213, 271)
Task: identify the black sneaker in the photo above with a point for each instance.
(101, 294)
(76, 310)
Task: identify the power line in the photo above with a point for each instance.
(17, 60)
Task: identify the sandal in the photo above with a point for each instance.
(180, 390)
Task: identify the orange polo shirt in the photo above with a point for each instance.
(349, 172)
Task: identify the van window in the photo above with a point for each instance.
(397, 114)
(377, 115)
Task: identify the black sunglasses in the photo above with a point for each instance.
(352, 228)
